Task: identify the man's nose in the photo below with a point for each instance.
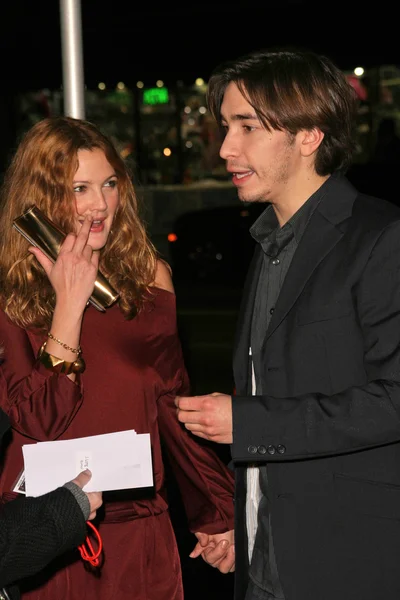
(228, 148)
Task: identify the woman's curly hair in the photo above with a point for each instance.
(41, 173)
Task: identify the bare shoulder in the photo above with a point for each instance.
(163, 278)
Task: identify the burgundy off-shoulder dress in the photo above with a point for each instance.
(134, 370)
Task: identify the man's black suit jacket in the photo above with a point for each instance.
(329, 428)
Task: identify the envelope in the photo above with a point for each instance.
(118, 461)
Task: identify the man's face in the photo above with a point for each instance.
(264, 164)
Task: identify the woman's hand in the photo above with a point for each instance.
(218, 550)
(74, 273)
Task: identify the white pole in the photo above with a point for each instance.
(72, 58)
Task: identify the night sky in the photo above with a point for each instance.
(130, 40)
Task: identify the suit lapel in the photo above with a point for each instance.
(243, 327)
(321, 235)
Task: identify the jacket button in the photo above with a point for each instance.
(261, 449)
(271, 449)
(281, 449)
(252, 449)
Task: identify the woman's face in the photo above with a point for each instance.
(95, 187)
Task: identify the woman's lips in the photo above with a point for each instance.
(97, 226)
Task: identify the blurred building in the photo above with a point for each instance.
(168, 134)
(171, 142)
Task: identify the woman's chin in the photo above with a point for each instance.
(97, 242)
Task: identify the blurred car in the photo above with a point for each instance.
(214, 244)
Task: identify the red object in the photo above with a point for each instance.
(91, 556)
(358, 86)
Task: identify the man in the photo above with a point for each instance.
(34, 531)
(314, 424)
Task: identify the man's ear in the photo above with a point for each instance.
(310, 141)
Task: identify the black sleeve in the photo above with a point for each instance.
(33, 531)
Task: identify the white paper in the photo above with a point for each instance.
(118, 461)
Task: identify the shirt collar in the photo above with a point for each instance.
(272, 238)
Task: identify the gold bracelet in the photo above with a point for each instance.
(58, 365)
(77, 351)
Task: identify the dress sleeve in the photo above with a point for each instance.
(33, 531)
(205, 482)
(40, 403)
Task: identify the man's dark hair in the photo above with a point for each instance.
(293, 90)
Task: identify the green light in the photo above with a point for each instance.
(156, 96)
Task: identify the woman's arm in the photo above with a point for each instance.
(39, 401)
(72, 277)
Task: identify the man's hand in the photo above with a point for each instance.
(208, 417)
(218, 550)
(95, 498)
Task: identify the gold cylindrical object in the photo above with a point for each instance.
(41, 232)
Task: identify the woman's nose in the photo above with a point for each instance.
(97, 201)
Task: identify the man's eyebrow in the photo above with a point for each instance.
(242, 117)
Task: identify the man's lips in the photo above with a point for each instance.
(240, 176)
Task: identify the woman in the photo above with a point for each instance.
(134, 365)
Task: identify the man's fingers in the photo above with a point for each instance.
(202, 538)
(189, 402)
(193, 417)
(227, 564)
(222, 557)
(83, 478)
(213, 556)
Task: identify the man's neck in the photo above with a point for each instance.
(296, 196)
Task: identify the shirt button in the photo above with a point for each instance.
(276, 261)
(281, 449)
(271, 449)
(271, 310)
(252, 449)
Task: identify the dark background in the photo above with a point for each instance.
(129, 40)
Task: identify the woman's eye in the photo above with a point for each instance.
(79, 188)
(112, 183)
